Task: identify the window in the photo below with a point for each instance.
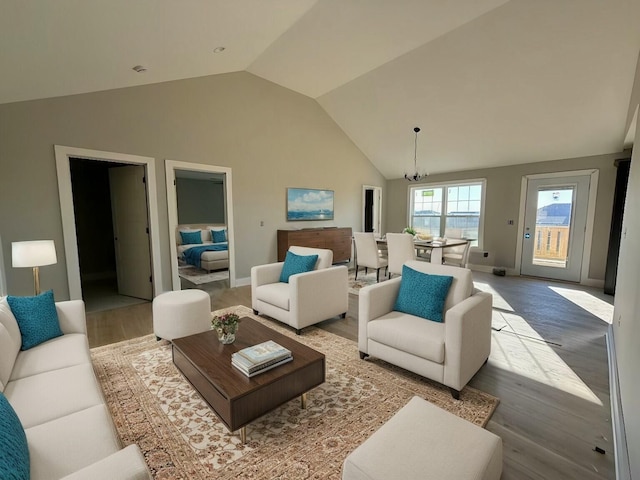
(451, 210)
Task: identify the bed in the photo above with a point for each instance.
(200, 250)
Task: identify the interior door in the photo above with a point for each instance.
(131, 230)
(554, 229)
(372, 209)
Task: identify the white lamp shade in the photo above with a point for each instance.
(35, 253)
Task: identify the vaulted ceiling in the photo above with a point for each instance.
(489, 82)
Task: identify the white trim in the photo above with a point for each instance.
(63, 154)
(3, 278)
(620, 449)
(591, 212)
(172, 211)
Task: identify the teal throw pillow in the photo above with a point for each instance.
(422, 294)
(14, 452)
(219, 236)
(37, 318)
(297, 264)
(191, 238)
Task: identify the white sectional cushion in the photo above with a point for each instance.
(128, 463)
(410, 334)
(50, 395)
(67, 444)
(274, 294)
(61, 352)
(10, 341)
(423, 441)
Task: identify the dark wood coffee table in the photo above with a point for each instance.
(234, 397)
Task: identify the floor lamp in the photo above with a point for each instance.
(35, 254)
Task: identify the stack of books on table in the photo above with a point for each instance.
(260, 358)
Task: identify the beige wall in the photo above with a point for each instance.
(626, 316)
(272, 138)
(502, 203)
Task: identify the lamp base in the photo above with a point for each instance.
(36, 280)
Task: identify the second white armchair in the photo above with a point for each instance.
(305, 298)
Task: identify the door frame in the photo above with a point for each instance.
(377, 206)
(63, 155)
(172, 211)
(591, 211)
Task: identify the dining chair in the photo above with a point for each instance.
(367, 254)
(401, 249)
(457, 256)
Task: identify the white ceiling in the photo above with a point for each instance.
(490, 82)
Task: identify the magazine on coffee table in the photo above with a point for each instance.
(264, 352)
(260, 358)
(257, 370)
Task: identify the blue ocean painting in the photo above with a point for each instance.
(309, 204)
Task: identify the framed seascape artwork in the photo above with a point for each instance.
(309, 204)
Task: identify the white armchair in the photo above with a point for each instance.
(308, 298)
(450, 352)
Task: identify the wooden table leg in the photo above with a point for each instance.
(303, 400)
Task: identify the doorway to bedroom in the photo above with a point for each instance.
(200, 226)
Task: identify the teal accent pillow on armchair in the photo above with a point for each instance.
(297, 264)
(14, 451)
(37, 318)
(422, 294)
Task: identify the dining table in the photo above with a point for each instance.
(434, 246)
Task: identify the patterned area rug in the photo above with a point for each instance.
(363, 280)
(198, 276)
(181, 438)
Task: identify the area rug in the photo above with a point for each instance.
(198, 276)
(363, 280)
(181, 438)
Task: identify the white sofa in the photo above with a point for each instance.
(55, 394)
(211, 260)
(308, 298)
(450, 352)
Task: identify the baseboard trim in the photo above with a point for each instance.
(621, 453)
(242, 282)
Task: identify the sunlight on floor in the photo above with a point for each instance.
(591, 304)
(518, 348)
(498, 301)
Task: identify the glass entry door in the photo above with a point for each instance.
(555, 222)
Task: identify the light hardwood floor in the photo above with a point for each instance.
(548, 366)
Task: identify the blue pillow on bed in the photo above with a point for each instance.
(219, 236)
(191, 238)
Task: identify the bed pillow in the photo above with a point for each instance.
(294, 264)
(37, 318)
(14, 451)
(191, 238)
(219, 236)
(422, 294)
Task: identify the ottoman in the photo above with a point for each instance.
(181, 313)
(422, 441)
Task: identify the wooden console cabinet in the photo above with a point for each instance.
(337, 239)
